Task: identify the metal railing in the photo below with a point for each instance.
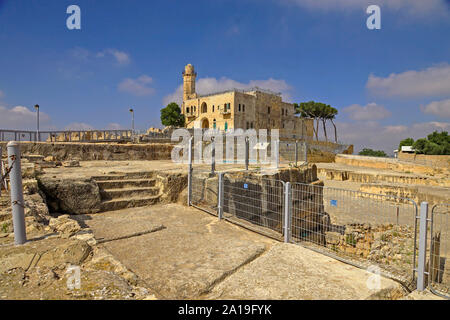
(439, 254)
(65, 135)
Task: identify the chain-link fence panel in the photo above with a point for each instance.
(439, 262)
(368, 230)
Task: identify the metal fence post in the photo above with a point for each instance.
(296, 152)
(213, 156)
(189, 195)
(17, 203)
(220, 197)
(423, 222)
(247, 151)
(287, 212)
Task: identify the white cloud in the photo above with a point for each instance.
(369, 112)
(411, 7)
(433, 81)
(79, 126)
(137, 87)
(115, 126)
(22, 118)
(376, 136)
(211, 85)
(438, 108)
(121, 57)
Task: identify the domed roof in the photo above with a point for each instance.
(189, 69)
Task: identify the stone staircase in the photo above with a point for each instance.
(120, 191)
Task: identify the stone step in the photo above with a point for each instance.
(126, 193)
(118, 204)
(120, 176)
(115, 184)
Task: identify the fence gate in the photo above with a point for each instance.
(439, 254)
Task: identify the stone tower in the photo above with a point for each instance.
(189, 76)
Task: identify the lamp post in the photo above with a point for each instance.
(37, 132)
(132, 122)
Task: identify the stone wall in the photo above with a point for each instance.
(387, 164)
(432, 160)
(96, 151)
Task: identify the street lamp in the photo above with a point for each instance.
(37, 132)
(132, 121)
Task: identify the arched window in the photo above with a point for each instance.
(213, 109)
(239, 107)
(248, 126)
(204, 108)
(187, 109)
(243, 108)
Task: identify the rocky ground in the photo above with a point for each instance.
(41, 268)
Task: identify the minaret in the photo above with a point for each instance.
(189, 76)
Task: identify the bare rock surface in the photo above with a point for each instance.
(73, 196)
(189, 256)
(289, 271)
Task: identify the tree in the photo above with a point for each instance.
(319, 112)
(330, 114)
(314, 110)
(372, 153)
(405, 142)
(171, 115)
(435, 144)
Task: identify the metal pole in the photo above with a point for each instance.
(220, 197)
(189, 195)
(17, 203)
(247, 147)
(213, 157)
(423, 222)
(296, 152)
(287, 212)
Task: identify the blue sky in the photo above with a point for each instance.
(387, 84)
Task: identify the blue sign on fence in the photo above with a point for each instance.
(245, 186)
(333, 203)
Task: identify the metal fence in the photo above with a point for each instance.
(66, 136)
(363, 229)
(439, 253)
(293, 152)
(254, 201)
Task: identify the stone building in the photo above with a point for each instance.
(246, 109)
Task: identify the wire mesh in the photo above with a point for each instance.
(292, 152)
(439, 270)
(363, 228)
(204, 192)
(257, 201)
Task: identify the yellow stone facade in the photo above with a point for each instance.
(246, 109)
